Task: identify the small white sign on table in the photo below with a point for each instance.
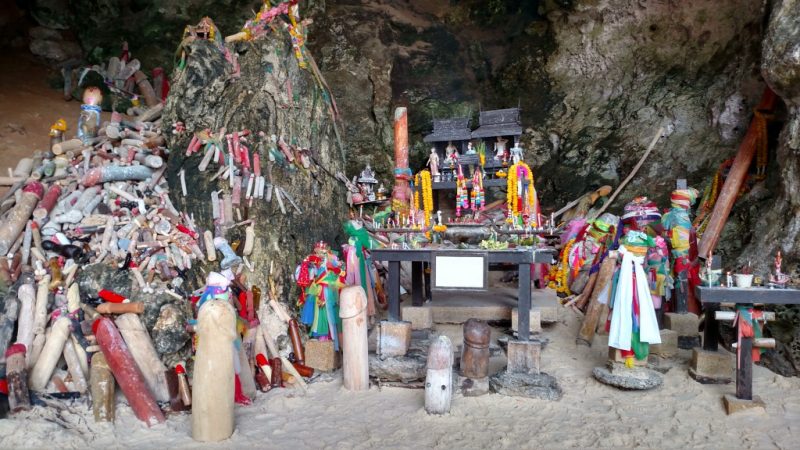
(459, 271)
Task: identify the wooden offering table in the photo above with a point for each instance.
(712, 298)
(456, 269)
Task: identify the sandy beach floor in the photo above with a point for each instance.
(680, 414)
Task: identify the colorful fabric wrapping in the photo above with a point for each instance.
(640, 209)
(320, 308)
(678, 223)
(633, 317)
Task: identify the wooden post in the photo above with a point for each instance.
(595, 308)
(17, 377)
(475, 353)
(439, 378)
(246, 377)
(297, 343)
(74, 367)
(736, 177)
(126, 372)
(212, 411)
(711, 330)
(18, 216)
(744, 370)
(394, 290)
(524, 327)
(102, 386)
(353, 311)
(143, 352)
(401, 191)
(416, 283)
(51, 353)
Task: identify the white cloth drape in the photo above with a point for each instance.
(622, 313)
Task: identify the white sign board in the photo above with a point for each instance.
(459, 272)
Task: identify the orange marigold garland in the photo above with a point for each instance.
(519, 203)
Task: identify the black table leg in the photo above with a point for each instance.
(711, 330)
(426, 269)
(416, 283)
(394, 291)
(744, 370)
(524, 307)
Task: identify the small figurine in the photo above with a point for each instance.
(516, 153)
(433, 162)
(500, 149)
(451, 155)
(778, 278)
(470, 149)
(89, 119)
(366, 182)
(381, 192)
(320, 277)
(729, 279)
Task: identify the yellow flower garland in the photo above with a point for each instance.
(511, 194)
(427, 195)
(563, 268)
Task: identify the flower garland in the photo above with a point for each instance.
(427, 196)
(462, 193)
(516, 200)
(417, 187)
(478, 196)
(563, 269)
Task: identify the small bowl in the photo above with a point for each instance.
(743, 280)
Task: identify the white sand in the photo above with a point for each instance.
(682, 413)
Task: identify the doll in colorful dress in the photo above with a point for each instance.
(320, 277)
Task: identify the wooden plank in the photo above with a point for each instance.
(733, 182)
(748, 295)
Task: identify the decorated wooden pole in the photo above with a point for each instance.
(475, 354)
(15, 220)
(143, 352)
(439, 379)
(401, 194)
(102, 386)
(17, 377)
(51, 353)
(736, 177)
(213, 402)
(126, 372)
(27, 300)
(355, 365)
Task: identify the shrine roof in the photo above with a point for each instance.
(498, 122)
(455, 129)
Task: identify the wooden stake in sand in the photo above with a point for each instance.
(439, 378)
(126, 372)
(143, 352)
(102, 385)
(213, 402)
(353, 311)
